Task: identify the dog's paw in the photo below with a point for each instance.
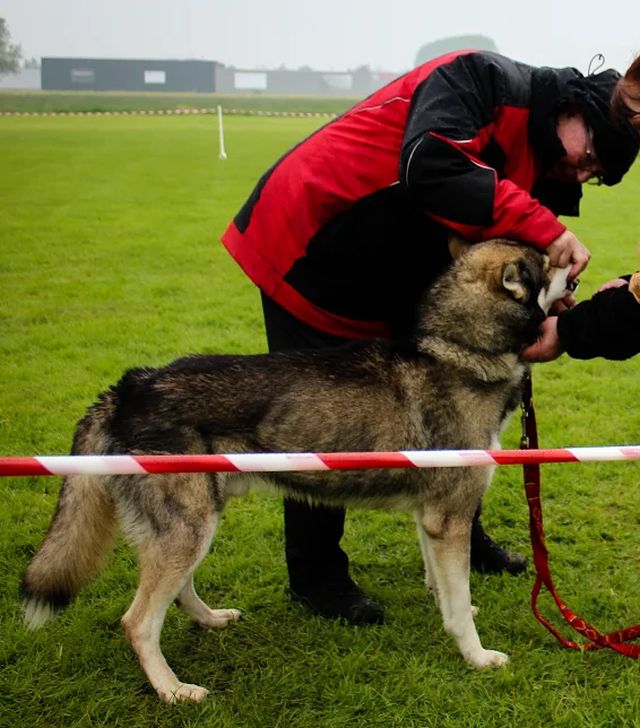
(474, 610)
(184, 692)
(487, 658)
(219, 618)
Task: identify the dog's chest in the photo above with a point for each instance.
(478, 413)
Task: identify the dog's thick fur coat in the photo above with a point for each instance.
(450, 388)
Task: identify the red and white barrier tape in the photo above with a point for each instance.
(178, 112)
(281, 462)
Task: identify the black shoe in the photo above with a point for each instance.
(489, 558)
(343, 600)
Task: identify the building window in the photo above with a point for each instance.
(338, 81)
(246, 81)
(157, 77)
(83, 75)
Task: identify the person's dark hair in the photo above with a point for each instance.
(626, 97)
(615, 140)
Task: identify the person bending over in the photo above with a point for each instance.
(345, 231)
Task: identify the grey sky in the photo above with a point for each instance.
(331, 34)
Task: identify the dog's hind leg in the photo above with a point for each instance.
(446, 542)
(143, 623)
(201, 613)
(172, 528)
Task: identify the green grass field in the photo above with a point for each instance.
(110, 258)
(75, 101)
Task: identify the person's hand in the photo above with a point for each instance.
(615, 283)
(566, 250)
(547, 346)
(564, 304)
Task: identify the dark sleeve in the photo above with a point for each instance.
(607, 325)
(448, 111)
(562, 198)
(452, 167)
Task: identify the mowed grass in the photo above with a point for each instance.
(109, 259)
(101, 101)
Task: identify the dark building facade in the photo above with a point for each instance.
(94, 74)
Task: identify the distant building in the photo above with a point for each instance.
(92, 74)
(95, 74)
(287, 81)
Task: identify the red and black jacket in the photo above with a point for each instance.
(350, 225)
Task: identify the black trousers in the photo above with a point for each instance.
(312, 533)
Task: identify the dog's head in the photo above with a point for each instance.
(494, 297)
(526, 275)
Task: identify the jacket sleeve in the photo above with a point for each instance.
(607, 325)
(449, 133)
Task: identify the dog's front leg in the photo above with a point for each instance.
(426, 557)
(445, 541)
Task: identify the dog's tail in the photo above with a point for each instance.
(81, 532)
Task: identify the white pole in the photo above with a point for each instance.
(222, 153)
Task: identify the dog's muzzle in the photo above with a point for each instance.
(559, 286)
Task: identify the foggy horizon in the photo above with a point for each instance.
(331, 36)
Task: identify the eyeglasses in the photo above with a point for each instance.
(589, 162)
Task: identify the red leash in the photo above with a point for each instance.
(613, 640)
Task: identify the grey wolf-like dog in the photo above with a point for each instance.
(451, 387)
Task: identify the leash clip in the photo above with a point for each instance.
(525, 407)
(524, 439)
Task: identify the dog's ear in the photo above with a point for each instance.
(512, 281)
(457, 246)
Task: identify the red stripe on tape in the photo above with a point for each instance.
(22, 466)
(186, 463)
(351, 460)
(631, 452)
(514, 457)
